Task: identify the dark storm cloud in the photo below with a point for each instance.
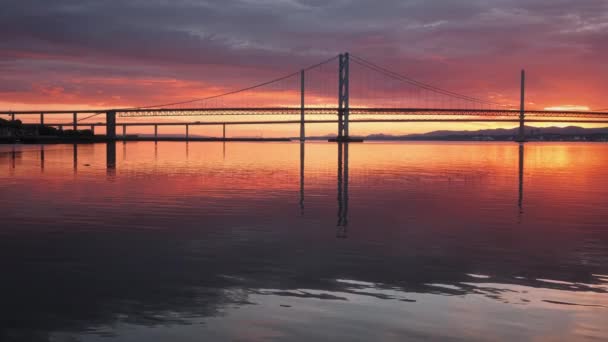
(190, 39)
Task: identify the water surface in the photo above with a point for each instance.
(282, 241)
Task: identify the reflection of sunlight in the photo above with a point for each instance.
(588, 297)
(478, 276)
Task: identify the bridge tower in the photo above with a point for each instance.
(343, 97)
(522, 108)
(302, 104)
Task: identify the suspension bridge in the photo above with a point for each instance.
(342, 90)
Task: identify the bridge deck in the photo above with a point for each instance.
(283, 122)
(314, 111)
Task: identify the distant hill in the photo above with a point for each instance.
(570, 133)
(530, 131)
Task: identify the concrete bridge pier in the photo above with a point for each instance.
(111, 125)
(124, 132)
(155, 132)
(93, 129)
(75, 121)
(224, 131)
(187, 132)
(41, 119)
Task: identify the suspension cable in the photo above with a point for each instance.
(411, 81)
(235, 91)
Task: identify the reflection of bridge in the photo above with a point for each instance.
(343, 183)
(365, 91)
(342, 177)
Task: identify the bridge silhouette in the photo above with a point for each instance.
(342, 90)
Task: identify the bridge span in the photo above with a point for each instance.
(404, 105)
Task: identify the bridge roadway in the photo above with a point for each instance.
(147, 112)
(282, 122)
(398, 115)
(227, 123)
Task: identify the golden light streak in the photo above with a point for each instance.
(569, 108)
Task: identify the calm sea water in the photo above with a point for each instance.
(275, 241)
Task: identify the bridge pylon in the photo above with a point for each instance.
(343, 96)
(302, 107)
(522, 109)
(343, 99)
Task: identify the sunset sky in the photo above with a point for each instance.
(109, 54)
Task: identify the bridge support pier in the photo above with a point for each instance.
(187, 132)
(13, 117)
(93, 130)
(522, 109)
(155, 132)
(224, 131)
(111, 125)
(124, 132)
(74, 122)
(41, 119)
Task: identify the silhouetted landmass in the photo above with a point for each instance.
(16, 131)
(570, 133)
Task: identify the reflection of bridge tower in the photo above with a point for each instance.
(342, 190)
(520, 202)
(111, 157)
(41, 157)
(302, 177)
(75, 157)
(13, 158)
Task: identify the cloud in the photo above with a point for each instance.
(471, 46)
